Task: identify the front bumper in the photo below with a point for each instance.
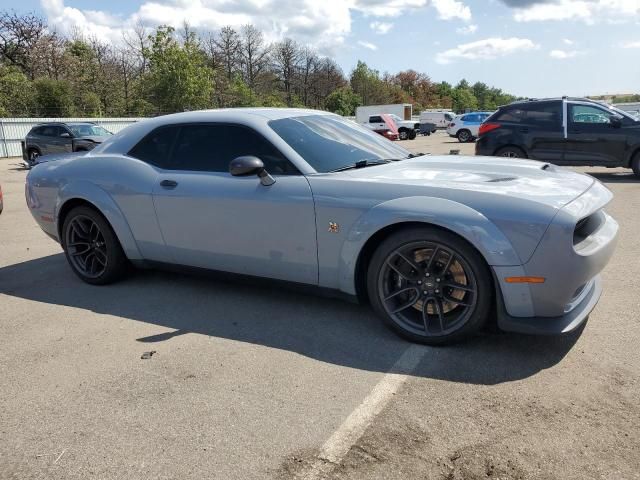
(570, 265)
(553, 325)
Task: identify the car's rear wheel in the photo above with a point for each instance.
(464, 136)
(403, 134)
(511, 152)
(635, 164)
(429, 285)
(91, 247)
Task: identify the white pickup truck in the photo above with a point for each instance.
(407, 129)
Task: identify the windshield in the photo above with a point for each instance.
(396, 118)
(329, 142)
(89, 131)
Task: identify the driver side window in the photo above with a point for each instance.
(211, 148)
(586, 114)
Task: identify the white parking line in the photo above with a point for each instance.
(334, 449)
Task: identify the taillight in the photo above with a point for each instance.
(487, 127)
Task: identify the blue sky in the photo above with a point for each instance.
(527, 47)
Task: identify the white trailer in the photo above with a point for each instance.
(402, 110)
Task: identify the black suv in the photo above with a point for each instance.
(564, 131)
(55, 137)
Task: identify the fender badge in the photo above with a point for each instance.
(334, 227)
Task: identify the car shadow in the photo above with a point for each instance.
(328, 330)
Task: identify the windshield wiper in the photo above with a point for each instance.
(360, 164)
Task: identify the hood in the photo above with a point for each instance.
(93, 138)
(524, 179)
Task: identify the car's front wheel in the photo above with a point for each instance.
(32, 156)
(430, 285)
(91, 247)
(403, 134)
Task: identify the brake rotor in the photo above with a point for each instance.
(455, 273)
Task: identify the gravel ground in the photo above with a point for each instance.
(249, 381)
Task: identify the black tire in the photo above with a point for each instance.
(468, 308)
(464, 136)
(511, 152)
(32, 156)
(89, 240)
(635, 164)
(403, 134)
(412, 134)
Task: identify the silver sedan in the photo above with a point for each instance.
(439, 246)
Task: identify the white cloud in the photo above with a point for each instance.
(449, 9)
(487, 49)
(381, 27)
(567, 41)
(324, 24)
(631, 45)
(589, 11)
(468, 30)
(563, 54)
(368, 45)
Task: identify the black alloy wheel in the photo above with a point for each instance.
(430, 286)
(91, 247)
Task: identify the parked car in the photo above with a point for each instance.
(55, 137)
(437, 244)
(406, 130)
(465, 127)
(563, 131)
(441, 118)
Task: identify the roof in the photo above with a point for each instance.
(265, 112)
(551, 99)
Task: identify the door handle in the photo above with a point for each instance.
(168, 184)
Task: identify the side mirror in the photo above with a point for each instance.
(615, 121)
(65, 135)
(250, 165)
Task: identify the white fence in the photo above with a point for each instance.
(13, 130)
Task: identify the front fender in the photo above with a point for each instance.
(93, 194)
(456, 217)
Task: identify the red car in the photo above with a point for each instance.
(391, 130)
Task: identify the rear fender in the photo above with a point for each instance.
(456, 217)
(94, 195)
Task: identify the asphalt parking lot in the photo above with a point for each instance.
(250, 381)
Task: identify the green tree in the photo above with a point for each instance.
(16, 93)
(343, 101)
(178, 77)
(54, 97)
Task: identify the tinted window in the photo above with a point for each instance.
(329, 142)
(88, 130)
(376, 119)
(156, 146)
(50, 131)
(511, 114)
(537, 114)
(211, 148)
(448, 117)
(545, 114)
(37, 131)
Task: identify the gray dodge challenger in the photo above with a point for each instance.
(438, 245)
